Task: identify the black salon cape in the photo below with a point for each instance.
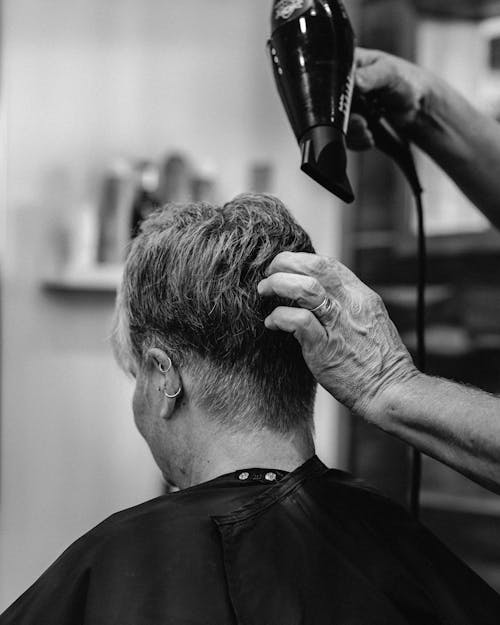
(314, 548)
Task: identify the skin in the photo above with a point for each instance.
(356, 354)
(354, 351)
(435, 117)
(190, 446)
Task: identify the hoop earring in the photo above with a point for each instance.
(162, 368)
(173, 396)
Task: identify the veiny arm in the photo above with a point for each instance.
(355, 352)
(429, 112)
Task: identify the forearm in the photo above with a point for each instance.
(355, 352)
(463, 142)
(457, 425)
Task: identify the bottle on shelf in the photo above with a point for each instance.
(146, 195)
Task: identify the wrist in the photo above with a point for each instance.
(392, 399)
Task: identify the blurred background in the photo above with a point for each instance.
(109, 108)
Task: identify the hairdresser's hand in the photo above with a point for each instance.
(400, 88)
(352, 349)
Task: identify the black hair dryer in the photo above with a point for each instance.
(312, 51)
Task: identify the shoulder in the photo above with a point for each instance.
(148, 522)
(355, 498)
(129, 519)
(120, 533)
(116, 549)
(119, 528)
(347, 485)
(355, 505)
(355, 489)
(129, 551)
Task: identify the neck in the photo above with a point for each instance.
(206, 450)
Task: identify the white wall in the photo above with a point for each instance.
(82, 82)
(457, 51)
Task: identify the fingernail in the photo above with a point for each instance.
(260, 287)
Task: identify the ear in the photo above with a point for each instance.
(163, 377)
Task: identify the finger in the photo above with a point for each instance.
(327, 312)
(366, 56)
(326, 270)
(292, 262)
(359, 136)
(305, 290)
(301, 323)
(319, 267)
(357, 124)
(380, 74)
(349, 279)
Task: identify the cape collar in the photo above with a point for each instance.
(277, 491)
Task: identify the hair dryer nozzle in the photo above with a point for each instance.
(324, 160)
(312, 54)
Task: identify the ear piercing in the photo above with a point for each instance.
(172, 396)
(162, 368)
(165, 371)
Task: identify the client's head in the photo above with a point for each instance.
(189, 316)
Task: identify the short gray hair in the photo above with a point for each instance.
(190, 288)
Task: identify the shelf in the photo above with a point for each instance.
(404, 243)
(458, 9)
(95, 279)
(405, 296)
(487, 505)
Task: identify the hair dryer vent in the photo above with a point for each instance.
(324, 160)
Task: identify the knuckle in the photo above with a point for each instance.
(374, 300)
(311, 286)
(334, 273)
(306, 321)
(319, 265)
(306, 318)
(276, 285)
(335, 265)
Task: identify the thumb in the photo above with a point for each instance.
(366, 56)
(378, 74)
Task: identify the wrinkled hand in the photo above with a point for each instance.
(351, 346)
(399, 86)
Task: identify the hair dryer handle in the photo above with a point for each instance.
(387, 139)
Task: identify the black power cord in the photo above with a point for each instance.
(421, 353)
(388, 140)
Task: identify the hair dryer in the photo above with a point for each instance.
(312, 52)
